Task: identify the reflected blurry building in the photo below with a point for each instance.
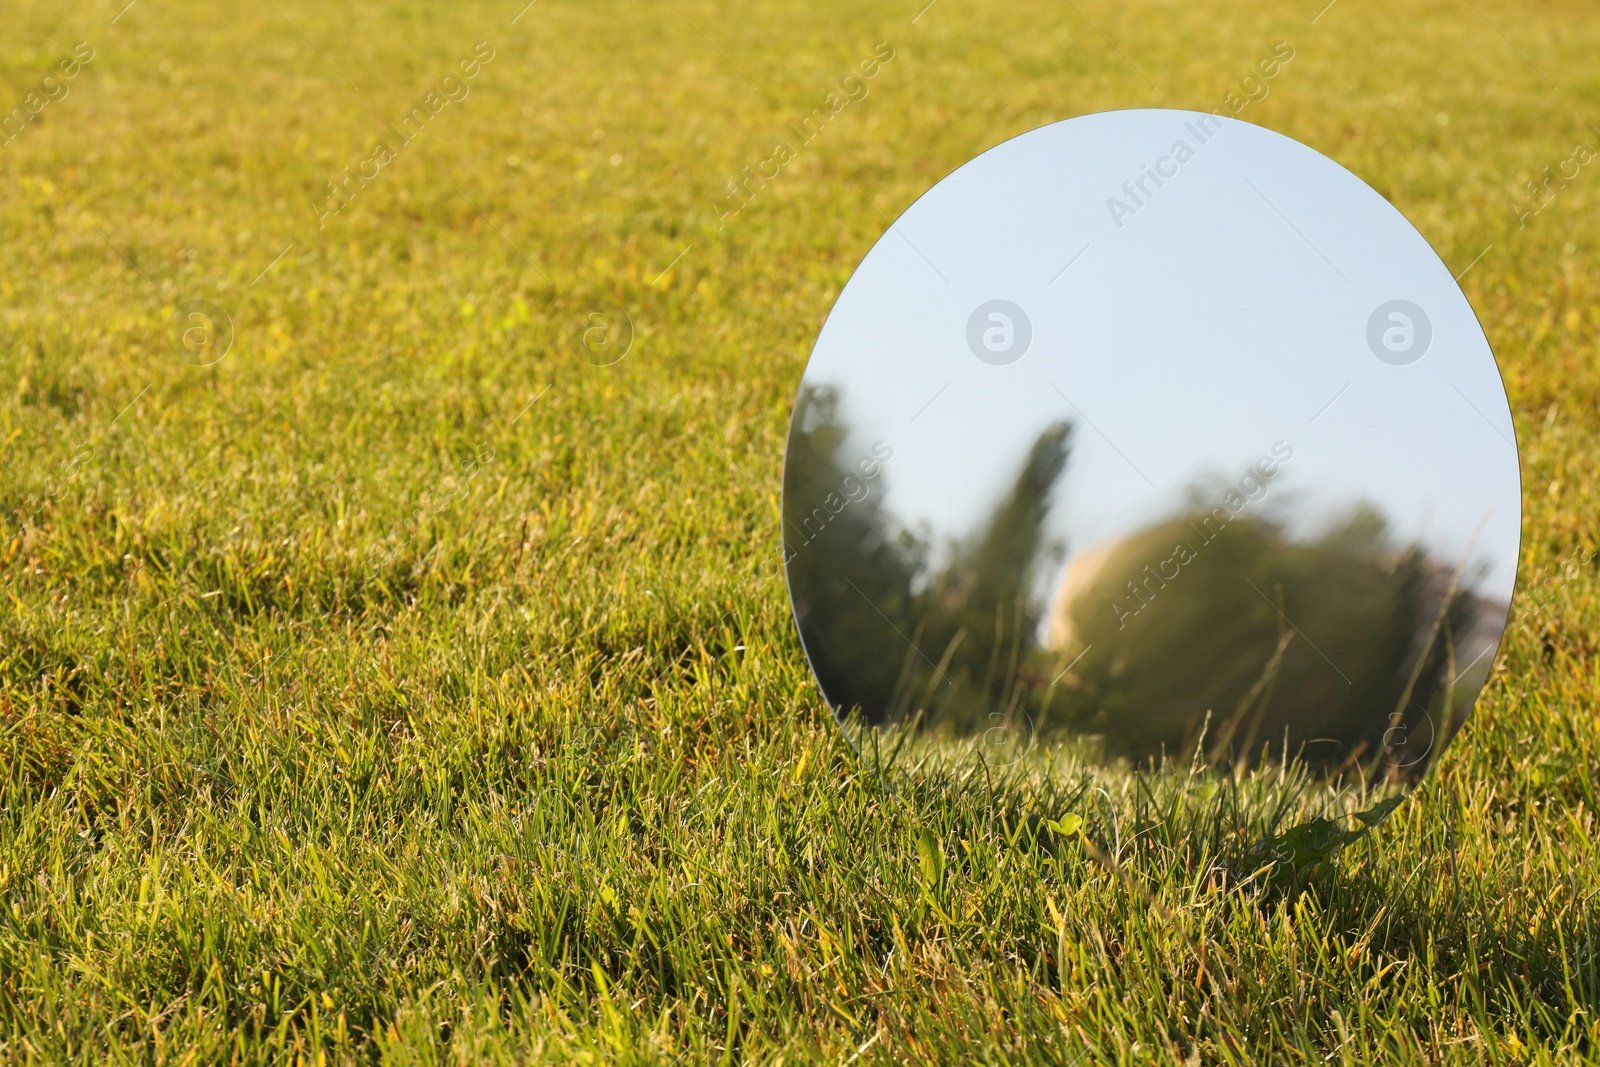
(1082, 572)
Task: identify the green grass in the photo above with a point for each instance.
(351, 708)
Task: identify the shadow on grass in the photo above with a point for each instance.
(1195, 850)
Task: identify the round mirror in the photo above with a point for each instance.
(1153, 439)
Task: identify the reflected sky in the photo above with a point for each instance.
(1227, 311)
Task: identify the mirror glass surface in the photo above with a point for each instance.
(1152, 436)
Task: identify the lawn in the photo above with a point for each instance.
(395, 663)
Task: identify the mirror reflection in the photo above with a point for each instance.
(1212, 568)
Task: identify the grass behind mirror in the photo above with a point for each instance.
(403, 687)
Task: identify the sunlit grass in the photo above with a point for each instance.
(403, 686)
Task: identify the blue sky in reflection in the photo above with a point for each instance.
(1226, 313)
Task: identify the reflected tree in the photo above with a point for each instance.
(887, 634)
(850, 574)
